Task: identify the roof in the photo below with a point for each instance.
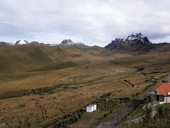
(164, 88)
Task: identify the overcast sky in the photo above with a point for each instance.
(94, 22)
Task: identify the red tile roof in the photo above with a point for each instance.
(164, 88)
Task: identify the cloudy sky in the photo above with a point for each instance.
(94, 22)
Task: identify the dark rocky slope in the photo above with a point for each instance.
(136, 42)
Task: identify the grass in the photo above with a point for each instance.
(105, 107)
(21, 122)
(66, 100)
(137, 113)
(64, 84)
(58, 66)
(5, 77)
(39, 56)
(89, 119)
(161, 120)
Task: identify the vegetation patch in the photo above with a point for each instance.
(5, 77)
(139, 69)
(160, 120)
(38, 91)
(21, 122)
(138, 112)
(39, 56)
(105, 106)
(62, 122)
(60, 66)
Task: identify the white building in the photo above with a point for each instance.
(162, 93)
(91, 108)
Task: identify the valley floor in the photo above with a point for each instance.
(56, 94)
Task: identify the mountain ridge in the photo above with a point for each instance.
(134, 42)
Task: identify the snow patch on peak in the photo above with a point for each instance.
(69, 42)
(136, 36)
(21, 42)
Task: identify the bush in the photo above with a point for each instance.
(62, 122)
(140, 69)
(22, 122)
(161, 120)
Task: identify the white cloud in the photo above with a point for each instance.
(95, 22)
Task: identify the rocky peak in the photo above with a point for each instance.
(135, 41)
(69, 42)
(137, 37)
(21, 42)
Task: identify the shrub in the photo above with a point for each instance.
(22, 122)
(140, 69)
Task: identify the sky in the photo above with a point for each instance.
(93, 22)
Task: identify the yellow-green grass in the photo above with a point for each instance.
(63, 89)
(139, 112)
(68, 100)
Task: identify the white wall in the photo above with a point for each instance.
(168, 99)
(91, 108)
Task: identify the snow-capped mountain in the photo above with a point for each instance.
(134, 42)
(21, 42)
(137, 37)
(69, 42)
(25, 42)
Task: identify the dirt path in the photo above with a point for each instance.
(116, 119)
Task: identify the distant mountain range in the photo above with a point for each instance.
(66, 42)
(135, 42)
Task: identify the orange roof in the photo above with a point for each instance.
(164, 88)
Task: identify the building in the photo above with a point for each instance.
(91, 108)
(162, 93)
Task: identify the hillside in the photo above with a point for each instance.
(27, 57)
(49, 86)
(160, 120)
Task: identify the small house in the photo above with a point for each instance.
(91, 108)
(162, 93)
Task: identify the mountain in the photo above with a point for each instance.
(69, 42)
(33, 55)
(4, 43)
(25, 42)
(138, 38)
(21, 42)
(134, 42)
